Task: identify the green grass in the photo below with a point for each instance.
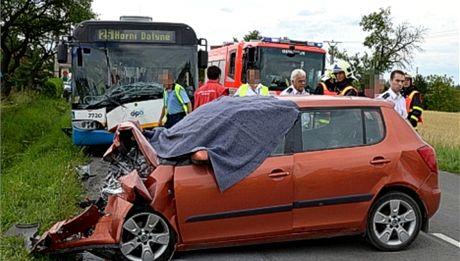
(448, 158)
(38, 183)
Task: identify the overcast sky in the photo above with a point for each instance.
(220, 21)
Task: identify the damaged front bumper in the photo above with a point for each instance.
(89, 230)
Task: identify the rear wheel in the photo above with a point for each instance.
(147, 236)
(394, 222)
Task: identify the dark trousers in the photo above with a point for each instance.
(172, 119)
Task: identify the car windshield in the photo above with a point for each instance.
(276, 66)
(113, 75)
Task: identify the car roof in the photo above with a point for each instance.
(335, 101)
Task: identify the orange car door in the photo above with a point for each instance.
(341, 164)
(258, 206)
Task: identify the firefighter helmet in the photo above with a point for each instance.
(328, 74)
(409, 75)
(342, 66)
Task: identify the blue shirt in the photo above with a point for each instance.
(173, 105)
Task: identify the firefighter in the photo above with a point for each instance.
(413, 101)
(338, 81)
(253, 85)
(176, 103)
(298, 80)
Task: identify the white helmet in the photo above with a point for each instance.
(342, 66)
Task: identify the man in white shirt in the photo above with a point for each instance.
(393, 94)
(297, 87)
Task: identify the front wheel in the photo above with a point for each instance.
(394, 222)
(147, 236)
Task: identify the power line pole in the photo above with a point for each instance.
(332, 47)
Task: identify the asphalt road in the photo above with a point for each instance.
(447, 219)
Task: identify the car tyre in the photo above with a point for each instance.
(146, 236)
(394, 222)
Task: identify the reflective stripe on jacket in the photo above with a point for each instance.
(245, 87)
(410, 110)
(346, 89)
(177, 89)
(326, 90)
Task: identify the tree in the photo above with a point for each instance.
(252, 35)
(29, 31)
(390, 44)
(441, 94)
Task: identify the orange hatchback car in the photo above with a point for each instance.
(346, 165)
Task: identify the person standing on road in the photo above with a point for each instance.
(212, 89)
(393, 93)
(413, 101)
(176, 103)
(342, 82)
(298, 80)
(253, 85)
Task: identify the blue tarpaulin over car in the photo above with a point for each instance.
(239, 133)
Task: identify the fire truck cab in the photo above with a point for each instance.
(275, 58)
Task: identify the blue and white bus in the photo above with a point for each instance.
(116, 68)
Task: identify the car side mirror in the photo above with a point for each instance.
(62, 53)
(202, 59)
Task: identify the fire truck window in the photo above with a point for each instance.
(231, 70)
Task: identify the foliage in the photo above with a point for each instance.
(38, 180)
(252, 35)
(53, 88)
(440, 94)
(390, 44)
(29, 33)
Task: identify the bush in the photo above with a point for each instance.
(53, 88)
(439, 93)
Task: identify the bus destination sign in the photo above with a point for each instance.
(154, 36)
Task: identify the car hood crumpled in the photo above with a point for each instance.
(239, 133)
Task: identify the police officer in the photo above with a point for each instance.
(393, 93)
(413, 101)
(297, 87)
(338, 81)
(253, 85)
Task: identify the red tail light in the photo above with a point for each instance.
(429, 156)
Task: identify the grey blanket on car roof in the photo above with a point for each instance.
(238, 133)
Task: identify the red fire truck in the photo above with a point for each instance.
(274, 57)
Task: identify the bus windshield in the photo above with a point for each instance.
(110, 76)
(276, 66)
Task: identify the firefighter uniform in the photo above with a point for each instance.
(413, 105)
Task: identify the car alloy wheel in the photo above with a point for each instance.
(394, 222)
(146, 236)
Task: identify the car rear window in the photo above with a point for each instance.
(340, 128)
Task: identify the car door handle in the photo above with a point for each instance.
(278, 174)
(379, 160)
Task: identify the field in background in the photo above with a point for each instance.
(442, 131)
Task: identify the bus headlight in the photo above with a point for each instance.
(87, 125)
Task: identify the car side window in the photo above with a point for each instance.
(375, 129)
(279, 150)
(340, 128)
